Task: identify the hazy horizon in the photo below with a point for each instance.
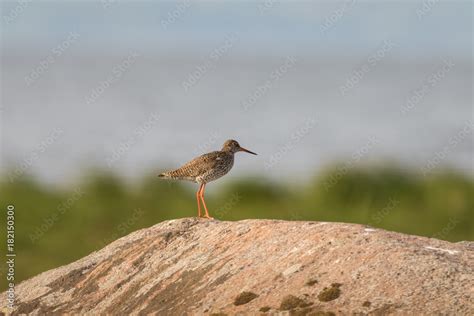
(172, 80)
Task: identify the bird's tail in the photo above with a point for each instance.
(164, 175)
(175, 175)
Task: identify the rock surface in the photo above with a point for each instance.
(191, 266)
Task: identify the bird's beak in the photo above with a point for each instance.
(247, 151)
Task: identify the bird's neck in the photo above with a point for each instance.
(229, 153)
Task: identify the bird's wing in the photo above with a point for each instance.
(198, 166)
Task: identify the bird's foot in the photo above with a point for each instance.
(205, 216)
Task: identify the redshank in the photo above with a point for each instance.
(207, 168)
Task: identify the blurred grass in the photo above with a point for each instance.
(55, 227)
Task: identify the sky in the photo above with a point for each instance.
(279, 27)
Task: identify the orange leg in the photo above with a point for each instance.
(204, 203)
(198, 194)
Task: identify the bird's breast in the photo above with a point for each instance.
(222, 167)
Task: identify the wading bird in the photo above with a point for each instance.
(207, 168)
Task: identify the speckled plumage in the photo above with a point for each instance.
(207, 168)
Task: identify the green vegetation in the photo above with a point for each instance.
(57, 226)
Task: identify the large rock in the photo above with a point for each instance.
(191, 266)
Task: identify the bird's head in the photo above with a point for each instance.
(233, 147)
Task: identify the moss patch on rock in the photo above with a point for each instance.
(310, 311)
(244, 298)
(265, 309)
(320, 313)
(311, 282)
(330, 293)
(290, 302)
